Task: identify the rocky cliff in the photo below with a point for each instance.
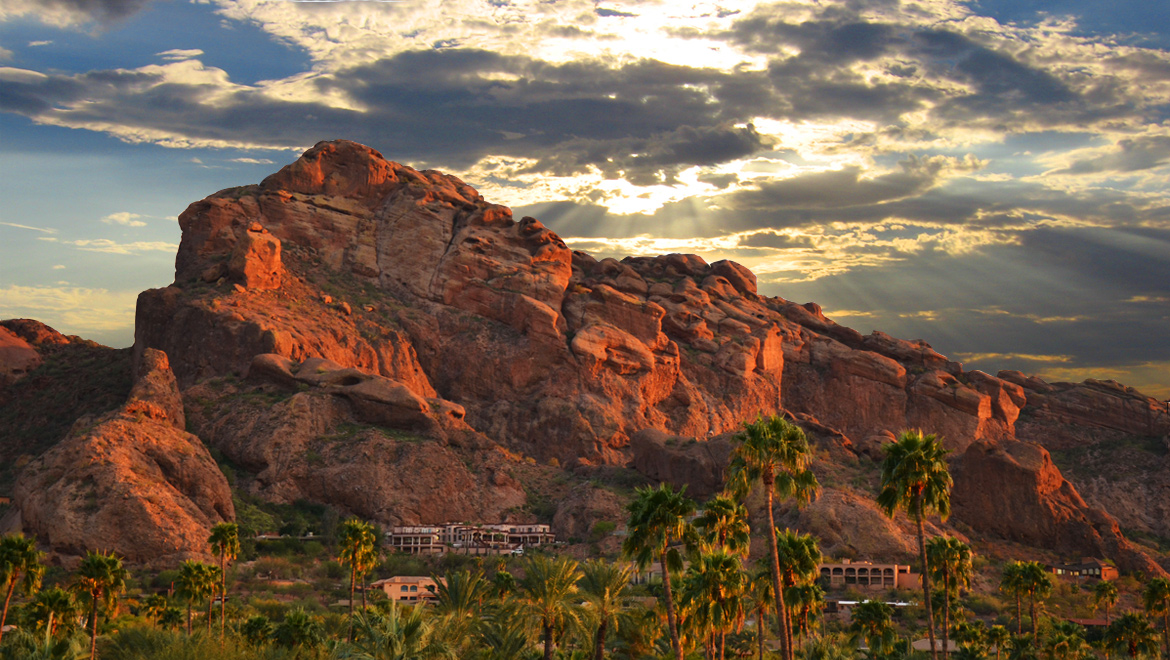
(357, 332)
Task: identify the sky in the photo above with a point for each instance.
(990, 176)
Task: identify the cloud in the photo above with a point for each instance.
(113, 247)
(180, 54)
(5, 54)
(251, 161)
(125, 219)
(73, 310)
(34, 44)
(59, 267)
(71, 13)
(42, 230)
(1002, 357)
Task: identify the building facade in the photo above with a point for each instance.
(494, 539)
(410, 589)
(867, 575)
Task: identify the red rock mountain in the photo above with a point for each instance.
(356, 332)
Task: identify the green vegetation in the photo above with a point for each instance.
(297, 596)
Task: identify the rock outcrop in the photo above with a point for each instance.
(1012, 490)
(131, 481)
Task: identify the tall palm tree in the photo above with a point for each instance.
(225, 544)
(724, 523)
(775, 453)
(1011, 581)
(805, 600)
(658, 521)
(950, 563)
(1037, 583)
(550, 594)
(20, 564)
(714, 591)
(872, 621)
(51, 609)
(100, 577)
(356, 549)
(1132, 635)
(915, 478)
(1156, 600)
(763, 602)
(1105, 595)
(502, 634)
(400, 633)
(604, 585)
(196, 582)
(798, 557)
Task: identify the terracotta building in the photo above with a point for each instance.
(410, 589)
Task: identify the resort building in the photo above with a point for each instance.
(867, 575)
(409, 589)
(494, 539)
(1087, 567)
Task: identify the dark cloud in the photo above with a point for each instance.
(102, 11)
(1129, 156)
(768, 239)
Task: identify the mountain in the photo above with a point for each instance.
(354, 332)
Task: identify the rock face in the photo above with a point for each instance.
(362, 442)
(1013, 490)
(17, 357)
(132, 481)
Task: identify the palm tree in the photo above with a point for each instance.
(256, 629)
(549, 595)
(1156, 600)
(1037, 583)
(298, 630)
(1132, 635)
(170, 618)
(502, 634)
(1066, 641)
(763, 601)
(1011, 581)
(355, 547)
(713, 590)
(805, 600)
(401, 633)
(724, 523)
(461, 598)
(797, 557)
(225, 544)
(604, 584)
(50, 608)
(100, 577)
(1105, 595)
(915, 478)
(872, 621)
(196, 582)
(950, 563)
(998, 636)
(972, 637)
(658, 520)
(775, 453)
(154, 606)
(20, 564)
